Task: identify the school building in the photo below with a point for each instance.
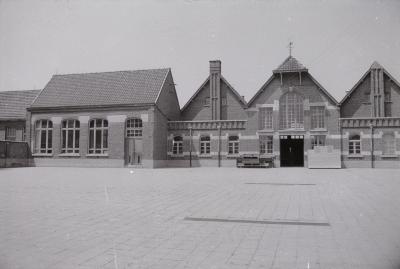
(133, 118)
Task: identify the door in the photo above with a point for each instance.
(292, 150)
(134, 148)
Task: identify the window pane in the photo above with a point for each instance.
(105, 123)
(105, 139)
(77, 124)
(98, 139)
(70, 138)
(91, 139)
(91, 124)
(50, 138)
(43, 140)
(64, 139)
(77, 139)
(99, 123)
(50, 124)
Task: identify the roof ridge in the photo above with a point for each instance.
(117, 71)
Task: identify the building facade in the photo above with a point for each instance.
(133, 118)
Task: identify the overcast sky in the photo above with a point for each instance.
(336, 40)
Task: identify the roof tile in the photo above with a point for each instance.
(13, 104)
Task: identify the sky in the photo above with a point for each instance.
(336, 40)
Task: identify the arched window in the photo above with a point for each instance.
(389, 144)
(177, 145)
(291, 111)
(233, 144)
(70, 136)
(44, 136)
(134, 127)
(354, 145)
(205, 144)
(98, 136)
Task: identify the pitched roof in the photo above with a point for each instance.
(374, 65)
(102, 89)
(13, 104)
(240, 98)
(290, 64)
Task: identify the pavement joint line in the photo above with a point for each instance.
(280, 184)
(281, 222)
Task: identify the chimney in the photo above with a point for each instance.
(215, 89)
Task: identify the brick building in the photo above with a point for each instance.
(133, 118)
(13, 106)
(370, 121)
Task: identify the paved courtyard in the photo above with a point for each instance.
(199, 218)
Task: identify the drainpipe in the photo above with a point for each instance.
(371, 126)
(190, 147)
(219, 145)
(341, 142)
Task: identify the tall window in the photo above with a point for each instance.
(317, 140)
(389, 144)
(177, 145)
(205, 144)
(266, 144)
(291, 111)
(70, 136)
(317, 117)
(98, 136)
(233, 144)
(354, 145)
(11, 134)
(44, 136)
(134, 127)
(265, 118)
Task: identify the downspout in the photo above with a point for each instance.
(341, 142)
(219, 145)
(371, 126)
(190, 147)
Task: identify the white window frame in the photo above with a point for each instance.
(103, 129)
(389, 144)
(233, 145)
(317, 117)
(266, 144)
(134, 127)
(291, 111)
(317, 140)
(205, 145)
(355, 145)
(177, 145)
(44, 127)
(266, 118)
(66, 128)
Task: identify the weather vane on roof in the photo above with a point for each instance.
(290, 46)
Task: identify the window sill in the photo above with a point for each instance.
(94, 155)
(69, 155)
(355, 156)
(42, 154)
(318, 130)
(177, 155)
(387, 156)
(205, 156)
(233, 155)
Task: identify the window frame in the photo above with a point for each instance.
(266, 118)
(291, 111)
(233, 144)
(177, 145)
(266, 144)
(205, 145)
(318, 140)
(103, 129)
(354, 144)
(317, 116)
(134, 128)
(75, 129)
(47, 131)
(13, 136)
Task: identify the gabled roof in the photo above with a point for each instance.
(238, 96)
(102, 89)
(290, 64)
(13, 104)
(374, 65)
